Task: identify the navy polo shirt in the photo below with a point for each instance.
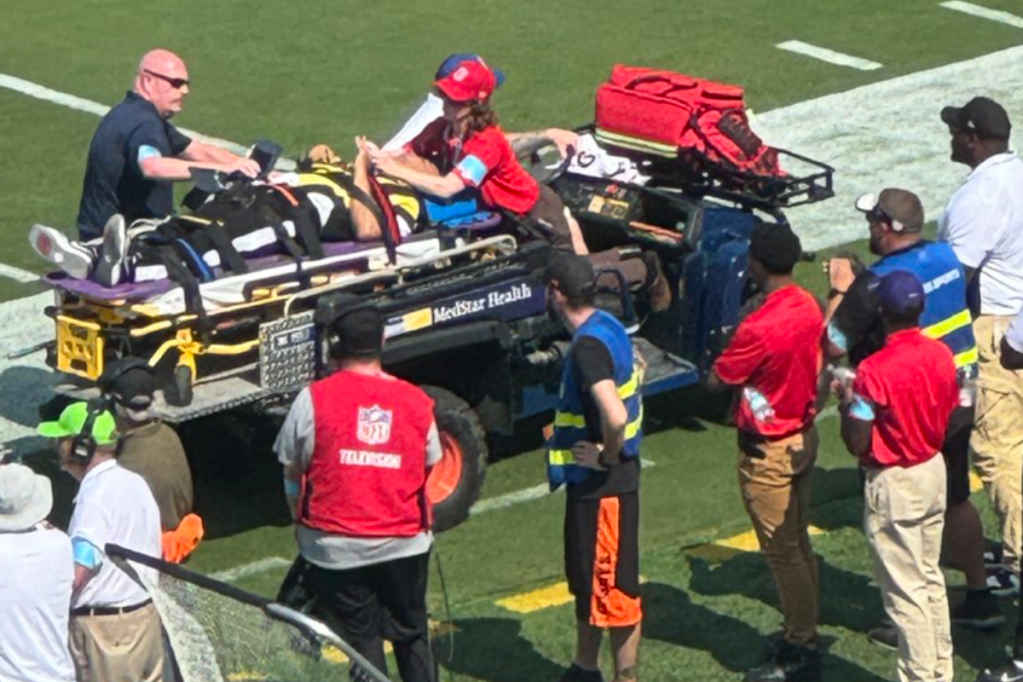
(113, 180)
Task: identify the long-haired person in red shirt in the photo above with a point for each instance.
(894, 418)
(474, 152)
(775, 357)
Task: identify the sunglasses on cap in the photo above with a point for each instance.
(176, 83)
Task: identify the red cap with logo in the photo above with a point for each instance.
(472, 81)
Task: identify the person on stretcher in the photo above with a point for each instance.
(471, 151)
(325, 201)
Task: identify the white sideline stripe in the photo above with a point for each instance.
(254, 568)
(984, 13)
(887, 134)
(72, 102)
(17, 274)
(829, 56)
(526, 495)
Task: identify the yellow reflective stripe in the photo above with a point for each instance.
(633, 427)
(967, 357)
(628, 389)
(948, 325)
(560, 458)
(564, 419)
(636, 143)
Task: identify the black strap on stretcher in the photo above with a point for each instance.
(389, 226)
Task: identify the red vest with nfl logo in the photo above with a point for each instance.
(367, 476)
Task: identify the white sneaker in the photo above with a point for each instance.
(70, 256)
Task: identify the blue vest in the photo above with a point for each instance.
(570, 420)
(946, 316)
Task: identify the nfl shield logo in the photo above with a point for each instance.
(374, 425)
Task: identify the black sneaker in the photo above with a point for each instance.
(1007, 673)
(577, 674)
(791, 664)
(1002, 581)
(886, 635)
(109, 269)
(979, 610)
(994, 556)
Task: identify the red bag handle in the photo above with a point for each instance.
(665, 76)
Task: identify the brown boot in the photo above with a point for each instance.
(657, 284)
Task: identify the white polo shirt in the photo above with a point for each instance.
(115, 506)
(36, 574)
(983, 222)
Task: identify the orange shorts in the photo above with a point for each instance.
(602, 559)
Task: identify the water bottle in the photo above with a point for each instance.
(967, 389)
(843, 375)
(758, 403)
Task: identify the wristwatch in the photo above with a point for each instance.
(832, 292)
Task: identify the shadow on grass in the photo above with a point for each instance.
(236, 474)
(837, 498)
(493, 649)
(673, 618)
(848, 599)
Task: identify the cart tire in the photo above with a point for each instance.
(179, 391)
(455, 482)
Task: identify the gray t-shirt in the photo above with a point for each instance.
(294, 447)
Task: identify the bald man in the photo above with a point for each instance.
(136, 153)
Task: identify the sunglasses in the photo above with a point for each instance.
(176, 83)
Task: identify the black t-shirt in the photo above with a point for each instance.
(591, 363)
(113, 181)
(859, 319)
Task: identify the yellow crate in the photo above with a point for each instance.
(79, 347)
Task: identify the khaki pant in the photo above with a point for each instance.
(118, 648)
(997, 440)
(903, 518)
(775, 478)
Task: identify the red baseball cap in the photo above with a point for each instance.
(472, 81)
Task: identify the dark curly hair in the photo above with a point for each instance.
(479, 118)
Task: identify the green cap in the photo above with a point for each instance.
(72, 421)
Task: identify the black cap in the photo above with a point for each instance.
(982, 116)
(359, 332)
(130, 382)
(571, 274)
(776, 246)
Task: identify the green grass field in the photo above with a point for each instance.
(302, 73)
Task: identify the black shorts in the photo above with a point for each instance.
(956, 450)
(602, 559)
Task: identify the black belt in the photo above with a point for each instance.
(108, 610)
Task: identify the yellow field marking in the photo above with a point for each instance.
(332, 654)
(545, 597)
(723, 550)
(976, 485)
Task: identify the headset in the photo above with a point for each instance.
(83, 444)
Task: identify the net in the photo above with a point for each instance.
(219, 633)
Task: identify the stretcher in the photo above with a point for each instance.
(214, 329)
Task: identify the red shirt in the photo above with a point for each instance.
(911, 386)
(488, 163)
(777, 351)
(367, 474)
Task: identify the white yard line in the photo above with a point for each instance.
(829, 56)
(254, 568)
(526, 495)
(17, 274)
(73, 102)
(984, 13)
(887, 134)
